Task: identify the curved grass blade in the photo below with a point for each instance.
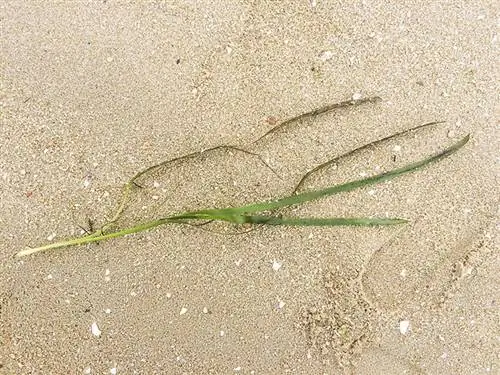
(349, 186)
(368, 145)
(318, 111)
(127, 188)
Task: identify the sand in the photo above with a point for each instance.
(93, 92)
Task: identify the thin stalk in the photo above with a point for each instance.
(97, 237)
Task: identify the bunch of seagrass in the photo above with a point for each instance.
(262, 213)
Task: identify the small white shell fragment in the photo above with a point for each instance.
(87, 371)
(276, 265)
(168, 295)
(396, 148)
(357, 96)
(49, 277)
(156, 184)
(404, 326)
(236, 369)
(51, 237)
(95, 330)
(106, 275)
(371, 192)
(326, 55)
(205, 310)
(281, 304)
(86, 182)
(222, 333)
(403, 273)
(113, 371)
(183, 311)
(107, 311)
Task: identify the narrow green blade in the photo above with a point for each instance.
(349, 186)
(321, 222)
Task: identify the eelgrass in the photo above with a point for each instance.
(249, 214)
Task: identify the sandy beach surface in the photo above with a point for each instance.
(93, 92)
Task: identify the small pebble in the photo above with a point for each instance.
(276, 265)
(113, 371)
(87, 371)
(271, 120)
(205, 310)
(222, 333)
(236, 369)
(357, 96)
(95, 330)
(107, 311)
(183, 311)
(404, 326)
(51, 237)
(326, 55)
(281, 304)
(168, 295)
